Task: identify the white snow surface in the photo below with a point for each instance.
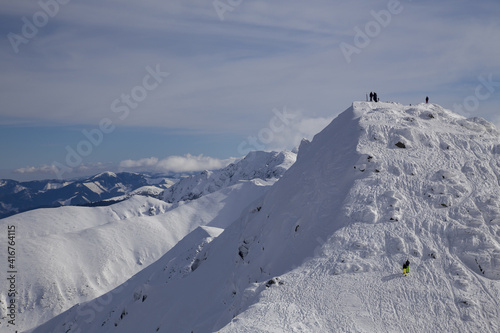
(149, 191)
(271, 165)
(95, 187)
(70, 255)
(55, 186)
(322, 250)
(164, 181)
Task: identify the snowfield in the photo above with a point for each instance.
(70, 255)
(322, 249)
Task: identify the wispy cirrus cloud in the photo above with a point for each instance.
(301, 128)
(263, 54)
(227, 75)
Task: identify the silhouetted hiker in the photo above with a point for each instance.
(371, 97)
(406, 267)
(427, 99)
(375, 98)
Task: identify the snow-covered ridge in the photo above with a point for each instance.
(73, 254)
(322, 250)
(106, 174)
(17, 197)
(256, 165)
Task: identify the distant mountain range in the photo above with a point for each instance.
(107, 188)
(92, 250)
(17, 197)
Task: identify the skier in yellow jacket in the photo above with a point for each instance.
(406, 267)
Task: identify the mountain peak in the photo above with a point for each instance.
(255, 165)
(323, 249)
(106, 174)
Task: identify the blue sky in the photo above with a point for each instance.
(188, 85)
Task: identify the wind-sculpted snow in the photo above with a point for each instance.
(256, 165)
(322, 250)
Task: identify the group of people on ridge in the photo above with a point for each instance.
(373, 97)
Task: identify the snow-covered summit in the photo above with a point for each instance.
(106, 174)
(256, 165)
(322, 250)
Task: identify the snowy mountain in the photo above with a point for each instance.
(322, 249)
(271, 165)
(17, 197)
(69, 255)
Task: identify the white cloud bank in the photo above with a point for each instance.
(143, 162)
(284, 131)
(177, 164)
(170, 164)
(43, 169)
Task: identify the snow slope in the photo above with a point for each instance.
(256, 165)
(69, 255)
(322, 250)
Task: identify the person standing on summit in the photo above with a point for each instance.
(371, 96)
(427, 99)
(375, 98)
